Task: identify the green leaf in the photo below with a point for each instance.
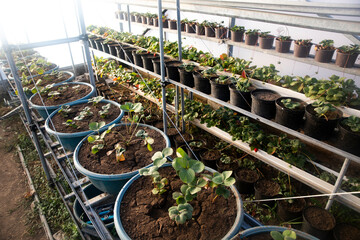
(156, 156)
(201, 182)
(226, 174)
(197, 166)
(160, 161)
(187, 175)
(181, 153)
(229, 181)
(91, 139)
(276, 235)
(167, 152)
(155, 191)
(222, 191)
(149, 147)
(218, 179)
(175, 195)
(290, 234)
(144, 171)
(194, 190)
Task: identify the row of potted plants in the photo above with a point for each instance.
(346, 90)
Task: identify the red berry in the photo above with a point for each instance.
(255, 149)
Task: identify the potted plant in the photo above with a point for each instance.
(147, 60)
(186, 76)
(263, 102)
(320, 119)
(344, 230)
(266, 40)
(51, 97)
(317, 222)
(221, 31)
(273, 232)
(172, 70)
(266, 189)
(70, 123)
(251, 36)
(302, 47)
(349, 135)
(150, 18)
(324, 51)
(202, 79)
(137, 56)
(240, 92)
(289, 112)
(110, 157)
(237, 33)
(220, 87)
(200, 28)
(282, 44)
(133, 16)
(210, 157)
(246, 176)
(347, 55)
(176, 206)
(189, 25)
(172, 24)
(156, 63)
(210, 28)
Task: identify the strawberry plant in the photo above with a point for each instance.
(283, 38)
(252, 31)
(98, 140)
(349, 49)
(353, 123)
(285, 235)
(303, 42)
(237, 29)
(326, 44)
(288, 103)
(323, 109)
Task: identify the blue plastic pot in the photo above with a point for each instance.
(90, 191)
(110, 183)
(71, 140)
(267, 229)
(49, 71)
(121, 231)
(71, 78)
(44, 111)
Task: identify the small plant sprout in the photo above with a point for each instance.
(65, 110)
(225, 159)
(288, 103)
(119, 151)
(85, 112)
(189, 191)
(147, 140)
(95, 100)
(286, 235)
(323, 109)
(353, 123)
(181, 213)
(76, 87)
(105, 110)
(54, 94)
(134, 110)
(98, 140)
(70, 123)
(221, 181)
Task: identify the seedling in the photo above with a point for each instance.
(286, 235)
(242, 84)
(95, 100)
(323, 109)
(85, 112)
(181, 213)
(98, 140)
(70, 123)
(326, 44)
(65, 110)
(147, 140)
(224, 80)
(283, 38)
(189, 67)
(196, 144)
(225, 159)
(288, 103)
(221, 181)
(119, 151)
(237, 29)
(264, 34)
(303, 42)
(54, 94)
(105, 110)
(252, 31)
(208, 73)
(353, 123)
(350, 49)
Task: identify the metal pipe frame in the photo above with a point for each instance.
(45, 43)
(128, 14)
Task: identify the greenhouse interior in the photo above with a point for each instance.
(221, 119)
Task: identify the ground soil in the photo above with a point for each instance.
(83, 125)
(67, 96)
(296, 206)
(141, 208)
(136, 155)
(210, 155)
(267, 187)
(49, 79)
(319, 218)
(247, 175)
(14, 195)
(267, 96)
(346, 232)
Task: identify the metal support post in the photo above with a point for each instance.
(338, 182)
(182, 110)
(85, 43)
(24, 103)
(120, 23)
(180, 59)
(177, 106)
(229, 46)
(162, 67)
(129, 18)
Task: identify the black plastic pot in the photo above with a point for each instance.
(144, 20)
(179, 141)
(137, 58)
(345, 60)
(156, 63)
(245, 180)
(251, 39)
(200, 30)
(291, 118)
(105, 47)
(172, 24)
(201, 84)
(150, 21)
(172, 70)
(132, 18)
(195, 150)
(319, 128)
(165, 24)
(120, 51)
(186, 78)
(98, 44)
(309, 227)
(240, 99)
(210, 161)
(221, 33)
(286, 213)
(237, 36)
(209, 32)
(190, 28)
(324, 56)
(220, 91)
(266, 42)
(112, 49)
(348, 140)
(128, 54)
(346, 231)
(301, 51)
(283, 46)
(261, 193)
(147, 61)
(92, 43)
(138, 19)
(263, 102)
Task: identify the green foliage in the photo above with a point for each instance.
(238, 29)
(288, 103)
(242, 84)
(283, 38)
(350, 49)
(286, 235)
(104, 110)
(95, 100)
(252, 31)
(65, 110)
(353, 123)
(99, 139)
(147, 140)
(264, 73)
(70, 123)
(186, 167)
(264, 34)
(225, 80)
(303, 42)
(85, 112)
(189, 67)
(326, 44)
(323, 109)
(181, 213)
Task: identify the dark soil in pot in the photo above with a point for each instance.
(128, 54)
(220, 91)
(200, 30)
(140, 206)
(291, 118)
(201, 84)
(46, 79)
(240, 99)
(319, 128)
(324, 56)
(156, 63)
(266, 189)
(209, 32)
(147, 61)
(196, 150)
(83, 125)
(282, 46)
(209, 158)
(266, 42)
(172, 133)
(69, 94)
(251, 39)
(179, 141)
(263, 102)
(172, 24)
(137, 58)
(290, 211)
(221, 33)
(317, 222)
(190, 28)
(136, 155)
(346, 232)
(301, 51)
(172, 70)
(347, 139)
(226, 167)
(345, 60)
(237, 36)
(245, 179)
(186, 77)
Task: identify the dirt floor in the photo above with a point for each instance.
(15, 199)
